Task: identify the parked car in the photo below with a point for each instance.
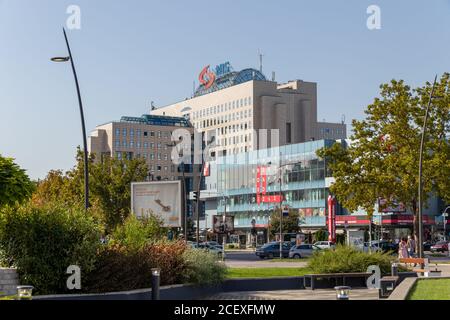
(365, 247)
(303, 250)
(210, 248)
(386, 246)
(427, 245)
(213, 243)
(272, 249)
(440, 246)
(325, 244)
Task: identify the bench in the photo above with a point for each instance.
(419, 261)
(310, 279)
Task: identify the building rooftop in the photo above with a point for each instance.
(157, 120)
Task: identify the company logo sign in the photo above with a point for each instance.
(208, 77)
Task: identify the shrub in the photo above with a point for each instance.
(120, 268)
(348, 259)
(203, 267)
(41, 242)
(230, 246)
(136, 233)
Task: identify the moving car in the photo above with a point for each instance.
(440, 246)
(325, 245)
(272, 249)
(374, 248)
(303, 250)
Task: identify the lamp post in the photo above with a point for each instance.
(198, 192)
(422, 142)
(83, 127)
(173, 144)
(444, 215)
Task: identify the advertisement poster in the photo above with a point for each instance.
(161, 198)
(220, 226)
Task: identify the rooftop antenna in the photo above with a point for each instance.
(260, 60)
(273, 76)
(152, 103)
(343, 119)
(193, 88)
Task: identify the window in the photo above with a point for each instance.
(117, 132)
(124, 143)
(138, 133)
(138, 144)
(159, 145)
(145, 133)
(288, 132)
(145, 145)
(152, 133)
(152, 145)
(117, 143)
(159, 156)
(158, 168)
(131, 144)
(166, 168)
(132, 133)
(152, 156)
(124, 132)
(166, 157)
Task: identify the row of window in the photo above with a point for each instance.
(330, 131)
(139, 133)
(225, 107)
(138, 144)
(205, 123)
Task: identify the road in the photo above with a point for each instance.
(248, 259)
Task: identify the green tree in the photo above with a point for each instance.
(15, 185)
(289, 224)
(382, 160)
(109, 187)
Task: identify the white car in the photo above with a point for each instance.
(325, 245)
(303, 250)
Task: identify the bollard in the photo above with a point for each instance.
(24, 292)
(155, 283)
(342, 292)
(394, 270)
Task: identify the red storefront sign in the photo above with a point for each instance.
(331, 218)
(261, 188)
(406, 219)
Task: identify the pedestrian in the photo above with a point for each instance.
(402, 249)
(411, 244)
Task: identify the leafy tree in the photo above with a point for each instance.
(109, 187)
(382, 160)
(289, 224)
(15, 185)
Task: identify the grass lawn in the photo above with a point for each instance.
(430, 289)
(265, 272)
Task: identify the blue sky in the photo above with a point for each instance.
(129, 53)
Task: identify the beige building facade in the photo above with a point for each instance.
(246, 112)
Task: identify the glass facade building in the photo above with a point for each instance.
(248, 183)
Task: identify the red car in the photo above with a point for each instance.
(440, 246)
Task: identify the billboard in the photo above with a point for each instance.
(384, 207)
(220, 227)
(161, 198)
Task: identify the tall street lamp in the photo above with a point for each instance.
(83, 127)
(444, 215)
(422, 141)
(198, 192)
(171, 145)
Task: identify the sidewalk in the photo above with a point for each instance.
(320, 294)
